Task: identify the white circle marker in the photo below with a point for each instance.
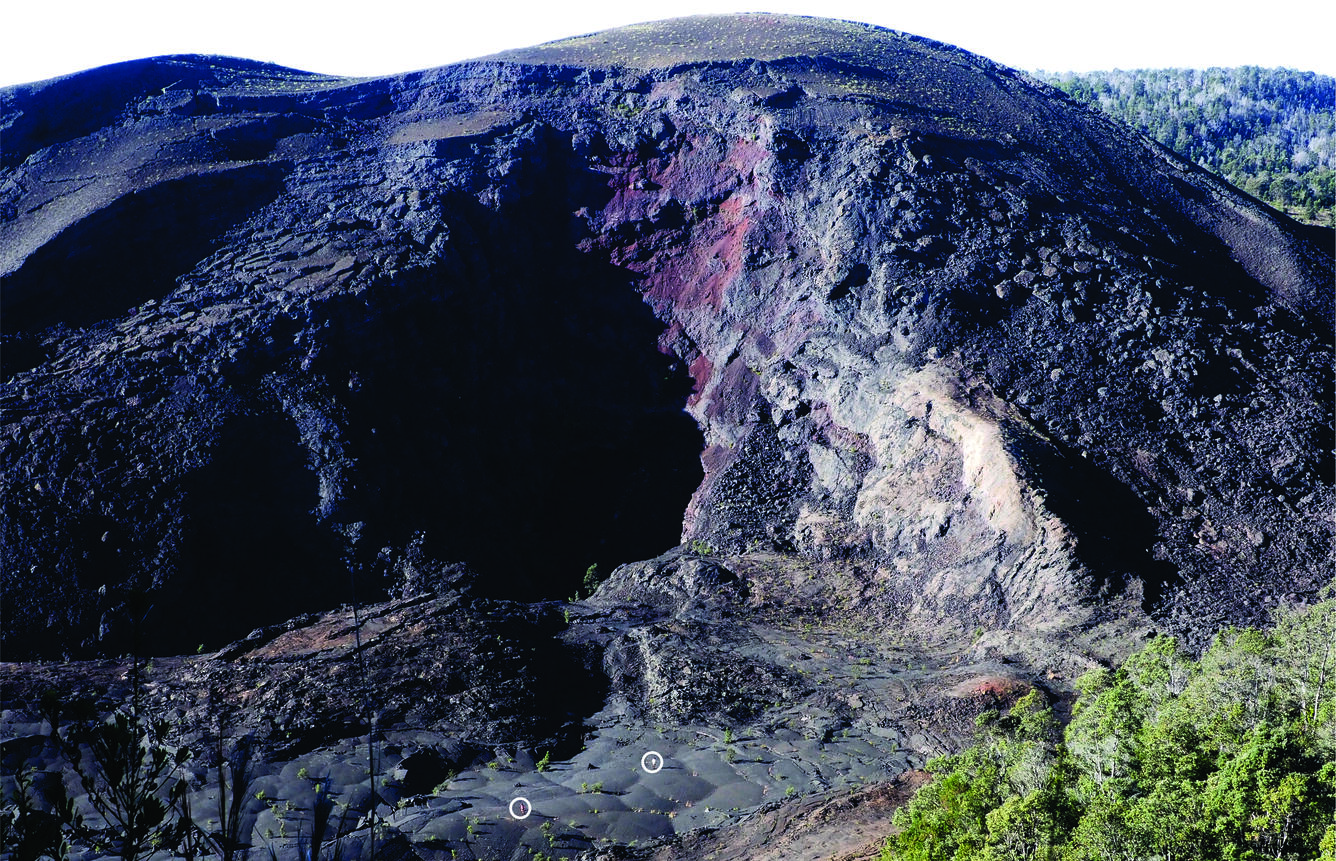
(520, 808)
(651, 762)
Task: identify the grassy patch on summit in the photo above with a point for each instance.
(715, 38)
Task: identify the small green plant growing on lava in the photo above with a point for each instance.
(591, 580)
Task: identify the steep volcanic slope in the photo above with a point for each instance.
(934, 323)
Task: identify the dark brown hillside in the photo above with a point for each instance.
(308, 256)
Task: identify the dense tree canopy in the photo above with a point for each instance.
(1271, 132)
(1231, 757)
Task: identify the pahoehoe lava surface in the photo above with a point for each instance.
(264, 329)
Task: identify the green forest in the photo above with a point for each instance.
(1271, 132)
(1230, 757)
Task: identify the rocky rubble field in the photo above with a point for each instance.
(754, 695)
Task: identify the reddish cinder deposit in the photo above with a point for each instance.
(993, 689)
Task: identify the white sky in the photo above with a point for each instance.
(45, 38)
